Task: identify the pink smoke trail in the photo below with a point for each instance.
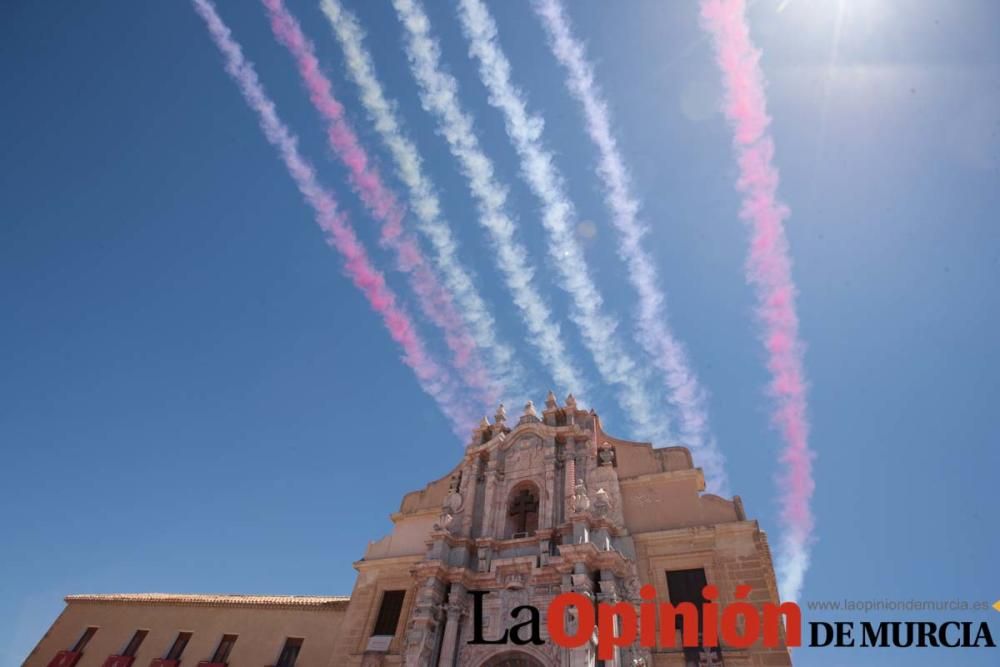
(435, 302)
(432, 378)
(769, 272)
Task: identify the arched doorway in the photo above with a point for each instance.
(512, 659)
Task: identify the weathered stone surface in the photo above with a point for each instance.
(552, 505)
(612, 515)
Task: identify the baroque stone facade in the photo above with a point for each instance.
(543, 505)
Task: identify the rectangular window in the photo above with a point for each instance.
(135, 643)
(388, 613)
(290, 652)
(87, 635)
(685, 586)
(225, 646)
(179, 645)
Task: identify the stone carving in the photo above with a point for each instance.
(602, 503)
(524, 455)
(632, 586)
(527, 441)
(606, 455)
(453, 501)
(484, 559)
(580, 502)
(572, 620)
(550, 401)
(514, 581)
(445, 519)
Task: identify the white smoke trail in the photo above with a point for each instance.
(653, 331)
(558, 215)
(433, 378)
(423, 198)
(439, 95)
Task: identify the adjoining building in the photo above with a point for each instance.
(549, 505)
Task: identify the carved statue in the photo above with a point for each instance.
(453, 501)
(581, 502)
(602, 503)
(632, 586)
(445, 519)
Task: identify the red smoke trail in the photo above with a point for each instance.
(435, 302)
(433, 379)
(769, 271)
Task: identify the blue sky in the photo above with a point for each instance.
(194, 399)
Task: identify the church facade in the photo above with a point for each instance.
(538, 506)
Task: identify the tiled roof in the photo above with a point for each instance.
(214, 600)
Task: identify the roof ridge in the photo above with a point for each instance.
(213, 599)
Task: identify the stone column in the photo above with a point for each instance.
(489, 527)
(422, 627)
(456, 606)
(578, 582)
(607, 593)
(569, 479)
(549, 520)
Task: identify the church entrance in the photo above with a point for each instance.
(512, 659)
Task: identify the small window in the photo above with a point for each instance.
(290, 652)
(225, 646)
(388, 613)
(135, 643)
(179, 645)
(87, 635)
(686, 585)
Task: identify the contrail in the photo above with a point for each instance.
(432, 378)
(769, 270)
(435, 302)
(653, 330)
(439, 95)
(538, 169)
(423, 199)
